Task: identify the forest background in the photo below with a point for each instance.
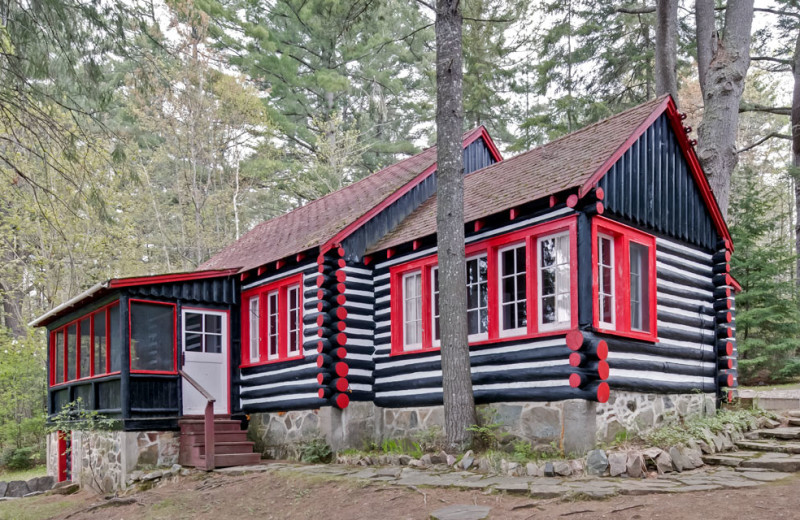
(142, 137)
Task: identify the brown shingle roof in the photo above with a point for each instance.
(318, 221)
(565, 163)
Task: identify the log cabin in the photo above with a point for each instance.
(599, 301)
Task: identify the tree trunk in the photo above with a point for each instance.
(459, 405)
(796, 151)
(722, 91)
(667, 48)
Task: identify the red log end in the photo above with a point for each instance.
(602, 349)
(320, 320)
(367, 260)
(319, 348)
(728, 280)
(319, 306)
(727, 256)
(341, 263)
(603, 392)
(574, 359)
(730, 380)
(390, 252)
(321, 393)
(320, 361)
(730, 396)
(341, 352)
(600, 193)
(341, 326)
(319, 333)
(730, 364)
(341, 276)
(572, 201)
(478, 225)
(553, 200)
(728, 348)
(415, 245)
(574, 339)
(341, 299)
(341, 312)
(320, 378)
(600, 207)
(603, 370)
(728, 317)
(342, 400)
(321, 259)
(320, 294)
(320, 280)
(513, 213)
(341, 369)
(340, 287)
(575, 380)
(340, 251)
(729, 332)
(341, 339)
(342, 385)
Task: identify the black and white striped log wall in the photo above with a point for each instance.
(725, 308)
(289, 385)
(333, 383)
(684, 359)
(357, 314)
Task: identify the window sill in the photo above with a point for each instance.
(272, 361)
(650, 337)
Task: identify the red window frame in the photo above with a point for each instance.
(491, 248)
(622, 236)
(282, 286)
(63, 330)
(174, 338)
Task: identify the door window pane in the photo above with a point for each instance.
(100, 344)
(152, 337)
(513, 302)
(554, 286)
(86, 347)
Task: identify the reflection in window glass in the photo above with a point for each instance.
(254, 317)
(512, 288)
(72, 347)
(605, 282)
(152, 337)
(477, 296)
(86, 347)
(115, 337)
(554, 286)
(412, 310)
(293, 304)
(100, 345)
(640, 283)
(59, 355)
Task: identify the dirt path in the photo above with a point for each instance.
(292, 496)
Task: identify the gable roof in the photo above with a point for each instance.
(575, 161)
(332, 217)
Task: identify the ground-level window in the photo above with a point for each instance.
(153, 339)
(624, 273)
(510, 280)
(272, 321)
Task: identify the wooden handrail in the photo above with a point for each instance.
(208, 420)
(210, 398)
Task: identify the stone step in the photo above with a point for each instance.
(721, 460)
(770, 446)
(794, 421)
(774, 462)
(793, 413)
(785, 434)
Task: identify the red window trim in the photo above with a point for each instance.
(174, 338)
(490, 247)
(622, 236)
(282, 287)
(63, 330)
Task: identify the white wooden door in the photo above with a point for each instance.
(205, 351)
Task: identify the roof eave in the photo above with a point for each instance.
(72, 302)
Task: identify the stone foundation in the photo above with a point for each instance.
(103, 460)
(638, 413)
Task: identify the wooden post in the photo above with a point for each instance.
(209, 435)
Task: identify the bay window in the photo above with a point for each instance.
(520, 284)
(272, 322)
(624, 291)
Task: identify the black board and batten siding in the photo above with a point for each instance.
(288, 385)
(507, 370)
(476, 156)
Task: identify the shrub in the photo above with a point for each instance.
(316, 451)
(19, 458)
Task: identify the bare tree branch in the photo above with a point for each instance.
(772, 135)
(770, 58)
(636, 9)
(779, 12)
(754, 107)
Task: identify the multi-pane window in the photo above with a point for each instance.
(554, 281)
(435, 304)
(513, 281)
(202, 332)
(477, 297)
(272, 321)
(293, 311)
(605, 279)
(254, 337)
(82, 348)
(624, 288)
(412, 310)
(272, 325)
(640, 287)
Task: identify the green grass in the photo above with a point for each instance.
(34, 508)
(24, 474)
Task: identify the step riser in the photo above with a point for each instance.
(225, 449)
(240, 459)
(195, 439)
(775, 448)
(200, 428)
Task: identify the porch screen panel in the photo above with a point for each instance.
(72, 351)
(100, 345)
(152, 337)
(115, 336)
(86, 347)
(59, 355)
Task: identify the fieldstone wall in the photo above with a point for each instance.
(103, 460)
(279, 435)
(636, 412)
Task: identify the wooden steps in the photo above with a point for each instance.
(231, 447)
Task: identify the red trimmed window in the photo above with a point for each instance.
(82, 348)
(153, 337)
(272, 322)
(624, 274)
(503, 299)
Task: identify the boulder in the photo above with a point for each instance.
(439, 458)
(511, 468)
(153, 475)
(451, 460)
(664, 463)
(549, 469)
(596, 462)
(484, 466)
(577, 467)
(635, 466)
(679, 461)
(403, 460)
(562, 468)
(426, 459)
(41, 483)
(3, 488)
(533, 470)
(69, 489)
(17, 488)
(705, 447)
(617, 463)
(467, 460)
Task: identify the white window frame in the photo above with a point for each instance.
(223, 334)
(436, 342)
(412, 346)
(556, 325)
(480, 336)
(503, 333)
(613, 323)
(299, 330)
(255, 328)
(270, 332)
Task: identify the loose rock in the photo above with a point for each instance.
(596, 462)
(617, 463)
(562, 468)
(664, 463)
(467, 460)
(461, 512)
(635, 466)
(17, 488)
